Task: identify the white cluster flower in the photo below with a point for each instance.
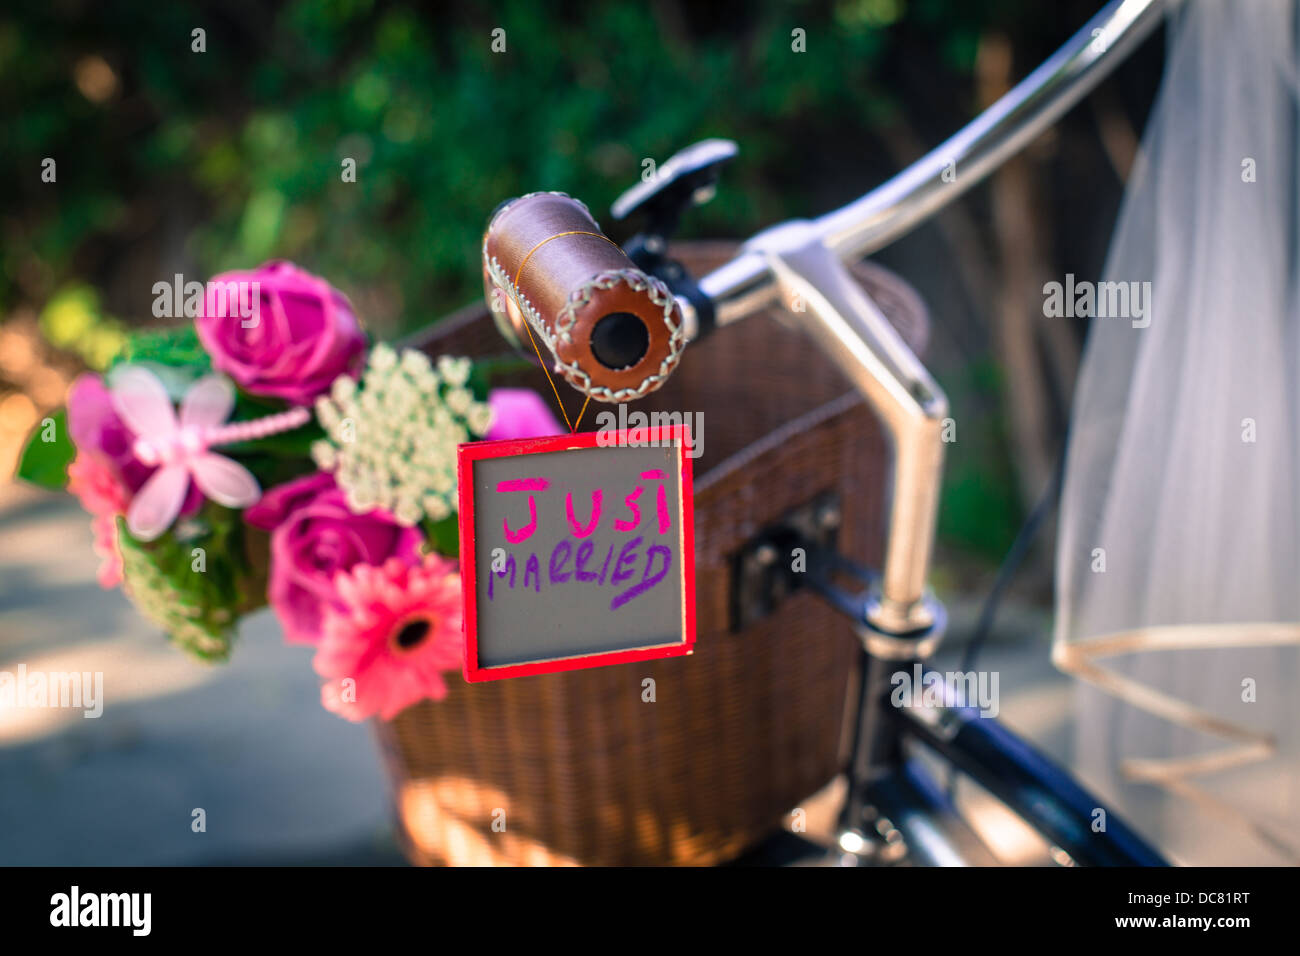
(391, 440)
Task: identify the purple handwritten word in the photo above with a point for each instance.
(624, 569)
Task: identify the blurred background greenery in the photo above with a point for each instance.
(174, 160)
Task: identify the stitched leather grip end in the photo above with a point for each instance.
(615, 333)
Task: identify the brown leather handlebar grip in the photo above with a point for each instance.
(615, 333)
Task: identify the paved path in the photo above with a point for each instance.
(280, 779)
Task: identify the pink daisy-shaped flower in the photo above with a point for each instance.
(394, 632)
(100, 493)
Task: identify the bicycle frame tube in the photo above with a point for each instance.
(801, 265)
(1029, 783)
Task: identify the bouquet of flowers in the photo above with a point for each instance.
(266, 455)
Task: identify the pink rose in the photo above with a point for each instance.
(313, 537)
(520, 413)
(289, 336)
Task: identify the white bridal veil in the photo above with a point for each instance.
(1178, 563)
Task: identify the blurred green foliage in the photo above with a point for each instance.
(980, 510)
(73, 319)
(170, 159)
(244, 143)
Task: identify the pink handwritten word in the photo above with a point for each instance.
(578, 528)
(662, 500)
(523, 484)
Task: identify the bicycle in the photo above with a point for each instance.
(895, 811)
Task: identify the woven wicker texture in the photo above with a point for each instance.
(575, 768)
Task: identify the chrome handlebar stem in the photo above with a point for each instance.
(813, 284)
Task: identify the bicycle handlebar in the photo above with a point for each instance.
(891, 210)
(614, 332)
(555, 287)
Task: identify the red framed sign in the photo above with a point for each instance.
(576, 551)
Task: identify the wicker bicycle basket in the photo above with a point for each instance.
(576, 768)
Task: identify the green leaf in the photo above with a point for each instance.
(48, 453)
(197, 579)
(273, 469)
(444, 535)
(175, 347)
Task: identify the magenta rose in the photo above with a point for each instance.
(313, 537)
(280, 331)
(520, 413)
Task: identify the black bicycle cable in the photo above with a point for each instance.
(1011, 562)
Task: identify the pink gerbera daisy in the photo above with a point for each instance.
(395, 630)
(100, 493)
